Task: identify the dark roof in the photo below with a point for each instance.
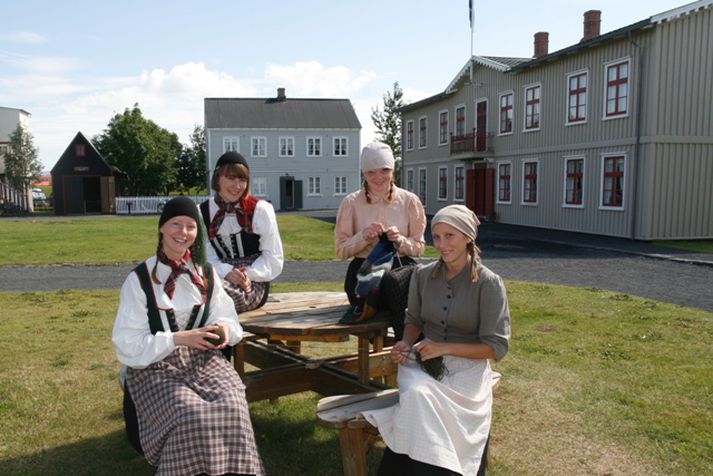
(507, 61)
(270, 113)
(92, 162)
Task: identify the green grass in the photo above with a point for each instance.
(695, 246)
(595, 383)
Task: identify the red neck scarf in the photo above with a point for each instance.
(243, 209)
(177, 268)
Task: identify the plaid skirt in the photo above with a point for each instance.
(246, 301)
(193, 416)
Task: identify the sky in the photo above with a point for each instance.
(74, 64)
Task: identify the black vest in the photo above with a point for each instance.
(241, 244)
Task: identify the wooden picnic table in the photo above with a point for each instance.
(272, 343)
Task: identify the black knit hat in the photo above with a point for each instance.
(184, 206)
(231, 157)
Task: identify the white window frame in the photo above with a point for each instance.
(455, 183)
(524, 107)
(629, 84)
(285, 140)
(423, 144)
(314, 186)
(538, 181)
(423, 194)
(438, 184)
(315, 140)
(455, 120)
(258, 139)
(228, 143)
(258, 187)
(497, 183)
(512, 126)
(623, 181)
(340, 185)
(344, 150)
(441, 132)
(567, 122)
(410, 180)
(410, 141)
(564, 181)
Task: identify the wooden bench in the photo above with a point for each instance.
(356, 435)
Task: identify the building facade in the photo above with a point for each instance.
(611, 136)
(10, 118)
(302, 153)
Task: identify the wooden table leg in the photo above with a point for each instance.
(363, 358)
(239, 359)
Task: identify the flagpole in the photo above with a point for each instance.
(471, 17)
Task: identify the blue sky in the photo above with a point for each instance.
(74, 64)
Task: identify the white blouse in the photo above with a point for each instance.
(135, 345)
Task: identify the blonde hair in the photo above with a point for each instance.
(389, 197)
(473, 255)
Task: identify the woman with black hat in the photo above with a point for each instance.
(244, 242)
(192, 413)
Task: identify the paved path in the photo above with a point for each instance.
(516, 254)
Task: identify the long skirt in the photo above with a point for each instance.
(193, 416)
(246, 301)
(446, 423)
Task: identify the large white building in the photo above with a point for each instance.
(10, 118)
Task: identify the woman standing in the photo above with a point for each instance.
(245, 246)
(441, 425)
(379, 208)
(192, 413)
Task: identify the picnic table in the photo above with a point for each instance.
(272, 343)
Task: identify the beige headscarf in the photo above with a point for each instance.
(459, 217)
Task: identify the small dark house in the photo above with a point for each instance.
(83, 182)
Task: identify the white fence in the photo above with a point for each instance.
(147, 205)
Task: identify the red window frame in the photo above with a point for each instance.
(532, 107)
(504, 182)
(575, 174)
(613, 182)
(80, 150)
(460, 121)
(617, 92)
(459, 183)
(506, 113)
(529, 183)
(442, 184)
(443, 127)
(577, 98)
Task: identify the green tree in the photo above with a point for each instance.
(388, 125)
(22, 165)
(191, 165)
(143, 151)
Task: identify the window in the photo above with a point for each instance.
(287, 147)
(258, 187)
(613, 181)
(506, 113)
(422, 186)
(258, 146)
(409, 180)
(617, 92)
(574, 175)
(80, 150)
(529, 182)
(409, 135)
(460, 121)
(422, 130)
(340, 185)
(577, 98)
(231, 144)
(340, 147)
(504, 183)
(314, 147)
(314, 186)
(459, 193)
(532, 107)
(443, 127)
(442, 183)
(4, 149)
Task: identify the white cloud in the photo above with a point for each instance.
(23, 37)
(312, 79)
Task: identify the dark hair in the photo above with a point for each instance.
(231, 170)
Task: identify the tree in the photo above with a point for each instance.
(21, 163)
(190, 165)
(143, 151)
(388, 125)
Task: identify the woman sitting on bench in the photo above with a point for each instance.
(192, 413)
(442, 421)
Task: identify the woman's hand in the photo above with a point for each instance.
(400, 351)
(239, 277)
(372, 232)
(429, 349)
(197, 338)
(394, 235)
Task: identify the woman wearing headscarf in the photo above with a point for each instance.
(244, 242)
(442, 421)
(378, 208)
(173, 320)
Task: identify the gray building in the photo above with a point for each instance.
(611, 136)
(303, 153)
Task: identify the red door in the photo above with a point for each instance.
(480, 191)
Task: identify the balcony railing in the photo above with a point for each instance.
(480, 141)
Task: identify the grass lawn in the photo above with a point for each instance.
(695, 246)
(595, 383)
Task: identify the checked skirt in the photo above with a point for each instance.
(246, 301)
(193, 416)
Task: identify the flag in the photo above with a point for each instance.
(470, 13)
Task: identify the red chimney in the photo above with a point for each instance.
(542, 41)
(592, 22)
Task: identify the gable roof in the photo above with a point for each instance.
(271, 113)
(67, 160)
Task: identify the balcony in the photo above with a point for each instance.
(480, 141)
